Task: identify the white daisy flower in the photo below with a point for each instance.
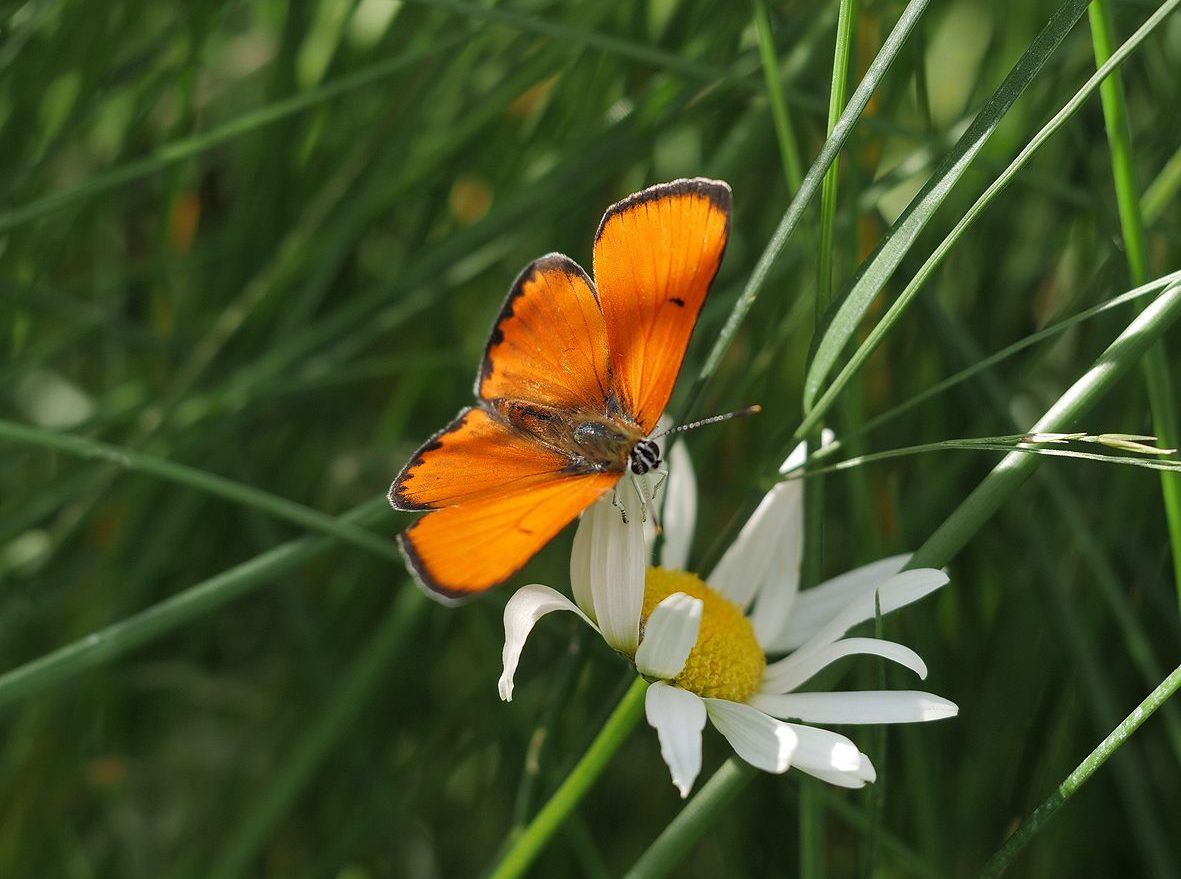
(704, 645)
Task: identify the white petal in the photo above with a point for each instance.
(609, 566)
(899, 591)
(824, 749)
(799, 455)
(780, 587)
(863, 706)
(795, 460)
(678, 717)
(864, 775)
(580, 566)
(815, 607)
(768, 549)
(524, 609)
(669, 635)
(679, 511)
(831, 757)
(789, 673)
(763, 742)
(780, 582)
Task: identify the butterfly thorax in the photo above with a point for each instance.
(594, 442)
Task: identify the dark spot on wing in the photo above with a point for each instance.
(677, 301)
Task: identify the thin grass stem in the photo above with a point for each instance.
(1118, 737)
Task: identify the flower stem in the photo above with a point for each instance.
(1118, 736)
(526, 847)
(700, 814)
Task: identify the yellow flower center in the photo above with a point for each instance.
(727, 662)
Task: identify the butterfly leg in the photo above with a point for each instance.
(647, 490)
(661, 476)
(618, 504)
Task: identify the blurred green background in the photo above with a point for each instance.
(267, 240)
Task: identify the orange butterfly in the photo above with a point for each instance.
(574, 378)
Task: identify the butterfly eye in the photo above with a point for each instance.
(645, 456)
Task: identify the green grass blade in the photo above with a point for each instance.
(808, 187)
(828, 193)
(584, 37)
(1070, 786)
(1162, 189)
(183, 608)
(201, 480)
(1016, 467)
(813, 819)
(1087, 539)
(330, 725)
(789, 148)
(995, 444)
(187, 148)
(846, 316)
(894, 312)
(1045, 333)
(699, 817)
(1161, 395)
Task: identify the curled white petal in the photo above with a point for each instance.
(524, 609)
(678, 717)
(816, 606)
(763, 742)
(679, 509)
(864, 706)
(792, 671)
(608, 565)
(669, 636)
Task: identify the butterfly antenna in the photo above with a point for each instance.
(738, 413)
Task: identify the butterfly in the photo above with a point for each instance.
(575, 376)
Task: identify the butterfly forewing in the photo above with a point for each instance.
(549, 344)
(656, 254)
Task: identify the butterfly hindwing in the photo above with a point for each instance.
(463, 550)
(656, 254)
(549, 344)
(477, 454)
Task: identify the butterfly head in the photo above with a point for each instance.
(644, 456)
